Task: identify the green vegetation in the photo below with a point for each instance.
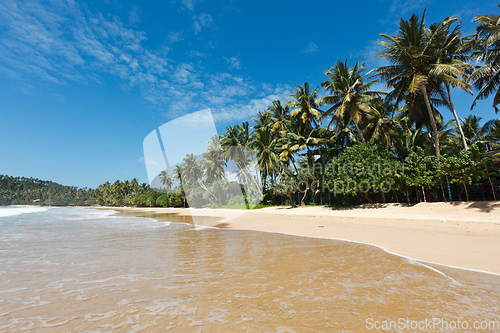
(28, 191)
(352, 145)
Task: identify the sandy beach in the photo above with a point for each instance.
(459, 234)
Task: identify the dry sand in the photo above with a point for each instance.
(465, 234)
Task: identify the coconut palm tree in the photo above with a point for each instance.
(280, 117)
(474, 132)
(231, 142)
(487, 43)
(190, 169)
(267, 156)
(495, 131)
(213, 164)
(166, 180)
(304, 106)
(263, 120)
(450, 68)
(447, 132)
(380, 124)
(349, 93)
(413, 73)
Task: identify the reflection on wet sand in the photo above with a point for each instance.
(172, 276)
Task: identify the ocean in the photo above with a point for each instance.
(87, 270)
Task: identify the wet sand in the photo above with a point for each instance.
(464, 235)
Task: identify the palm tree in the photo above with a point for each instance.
(487, 43)
(450, 68)
(304, 106)
(495, 131)
(446, 132)
(280, 116)
(214, 164)
(349, 94)
(381, 125)
(190, 169)
(166, 180)
(267, 157)
(413, 54)
(230, 141)
(294, 142)
(474, 132)
(263, 120)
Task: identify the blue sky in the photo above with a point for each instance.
(82, 83)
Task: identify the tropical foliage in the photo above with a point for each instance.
(342, 142)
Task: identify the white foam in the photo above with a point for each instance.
(13, 211)
(163, 224)
(202, 227)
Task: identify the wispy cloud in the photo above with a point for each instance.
(38, 44)
(201, 21)
(197, 54)
(402, 7)
(174, 37)
(147, 161)
(234, 63)
(135, 15)
(311, 47)
(190, 4)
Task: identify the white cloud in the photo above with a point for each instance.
(311, 47)
(401, 7)
(248, 109)
(200, 21)
(197, 54)
(38, 45)
(189, 4)
(174, 37)
(234, 63)
(147, 161)
(135, 15)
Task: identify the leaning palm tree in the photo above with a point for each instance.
(349, 93)
(413, 54)
(475, 132)
(487, 43)
(450, 68)
(304, 106)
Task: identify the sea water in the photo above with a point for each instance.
(85, 270)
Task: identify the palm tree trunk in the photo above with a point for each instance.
(423, 191)
(433, 121)
(491, 184)
(310, 155)
(357, 127)
(466, 192)
(294, 166)
(442, 190)
(452, 108)
(302, 202)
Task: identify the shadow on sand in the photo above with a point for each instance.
(483, 206)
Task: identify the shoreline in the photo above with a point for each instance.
(457, 235)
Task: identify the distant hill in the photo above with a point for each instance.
(33, 191)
